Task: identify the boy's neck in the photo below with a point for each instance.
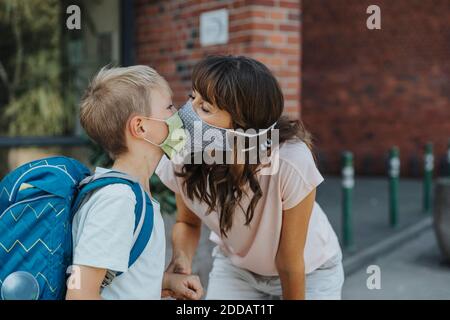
(141, 168)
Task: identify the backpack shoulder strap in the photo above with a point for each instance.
(144, 228)
(143, 210)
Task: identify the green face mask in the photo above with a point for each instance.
(176, 139)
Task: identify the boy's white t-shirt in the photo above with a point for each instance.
(102, 233)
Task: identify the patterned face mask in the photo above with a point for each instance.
(203, 135)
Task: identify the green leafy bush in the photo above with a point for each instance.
(30, 69)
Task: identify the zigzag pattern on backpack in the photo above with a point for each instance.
(37, 215)
(18, 242)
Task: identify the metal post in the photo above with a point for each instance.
(348, 183)
(394, 174)
(448, 159)
(428, 177)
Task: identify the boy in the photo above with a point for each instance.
(124, 111)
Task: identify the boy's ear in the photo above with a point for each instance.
(136, 127)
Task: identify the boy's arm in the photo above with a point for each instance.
(87, 286)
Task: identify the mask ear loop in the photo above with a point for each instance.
(151, 142)
(262, 146)
(251, 135)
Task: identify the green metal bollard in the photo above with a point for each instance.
(348, 183)
(428, 177)
(394, 174)
(448, 159)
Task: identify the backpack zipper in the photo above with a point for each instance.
(38, 167)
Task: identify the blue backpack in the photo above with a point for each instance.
(37, 204)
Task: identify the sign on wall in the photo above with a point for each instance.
(214, 27)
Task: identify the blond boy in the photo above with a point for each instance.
(123, 110)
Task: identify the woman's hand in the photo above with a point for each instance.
(179, 264)
(183, 287)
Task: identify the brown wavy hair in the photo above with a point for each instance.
(251, 94)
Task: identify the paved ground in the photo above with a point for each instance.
(415, 270)
(370, 221)
(370, 208)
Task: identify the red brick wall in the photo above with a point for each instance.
(267, 30)
(368, 90)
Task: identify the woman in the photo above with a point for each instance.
(273, 239)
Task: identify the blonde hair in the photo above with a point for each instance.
(112, 97)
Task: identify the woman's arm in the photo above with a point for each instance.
(185, 238)
(289, 259)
